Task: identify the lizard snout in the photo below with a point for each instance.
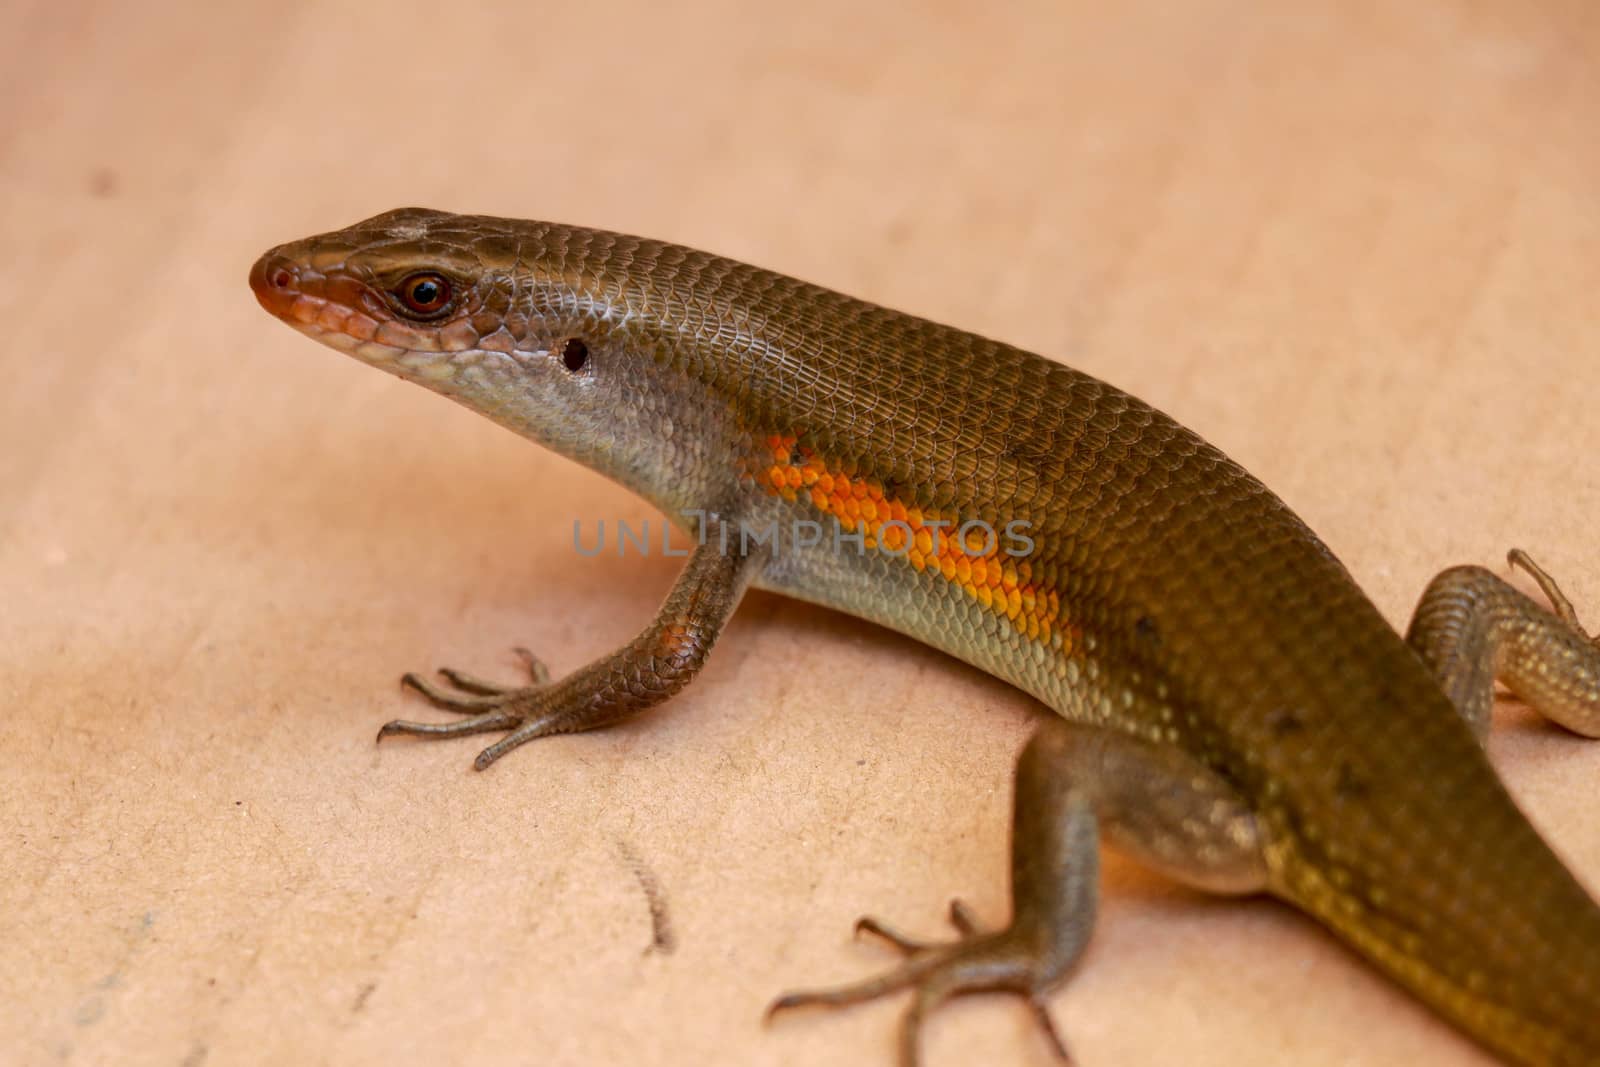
(274, 279)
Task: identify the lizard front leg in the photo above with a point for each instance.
(1472, 627)
(643, 673)
(1072, 781)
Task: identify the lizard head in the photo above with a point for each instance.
(533, 324)
(427, 296)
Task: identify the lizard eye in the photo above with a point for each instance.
(425, 294)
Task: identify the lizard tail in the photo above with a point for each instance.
(1485, 925)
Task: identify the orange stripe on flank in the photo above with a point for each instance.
(999, 582)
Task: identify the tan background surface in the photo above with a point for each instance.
(1355, 244)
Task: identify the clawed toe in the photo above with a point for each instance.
(534, 666)
(961, 917)
(473, 700)
(474, 694)
(909, 945)
(484, 722)
(538, 675)
(471, 683)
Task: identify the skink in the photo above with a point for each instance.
(1230, 708)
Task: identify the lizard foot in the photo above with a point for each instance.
(487, 706)
(641, 674)
(1558, 600)
(978, 961)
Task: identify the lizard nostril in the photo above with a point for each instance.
(275, 280)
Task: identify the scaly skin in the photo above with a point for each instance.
(1169, 602)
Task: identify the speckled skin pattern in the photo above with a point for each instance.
(1168, 596)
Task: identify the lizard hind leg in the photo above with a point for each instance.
(1472, 627)
(1072, 781)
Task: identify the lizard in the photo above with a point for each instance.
(1230, 708)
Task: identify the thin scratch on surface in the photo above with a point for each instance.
(363, 995)
(661, 938)
(92, 1008)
